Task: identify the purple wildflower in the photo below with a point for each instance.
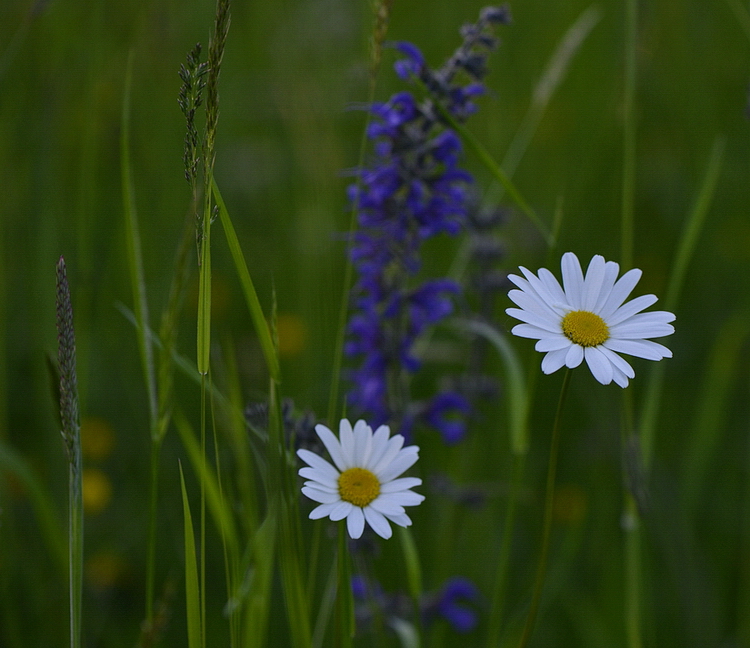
(450, 604)
(412, 190)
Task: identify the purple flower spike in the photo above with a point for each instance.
(411, 191)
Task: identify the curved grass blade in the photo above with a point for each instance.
(251, 296)
(516, 383)
(192, 587)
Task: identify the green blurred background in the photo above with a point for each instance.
(293, 72)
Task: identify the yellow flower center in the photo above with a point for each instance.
(358, 486)
(585, 328)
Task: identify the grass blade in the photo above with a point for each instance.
(251, 296)
(221, 514)
(12, 463)
(518, 398)
(192, 588)
(685, 251)
(134, 254)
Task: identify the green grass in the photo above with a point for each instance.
(624, 135)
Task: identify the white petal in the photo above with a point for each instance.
(406, 498)
(391, 450)
(346, 439)
(324, 510)
(323, 471)
(619, 378)
(403, 461)
(332, 445)
(387, 506)
(355, 522)
(534, 305)
(593, 282)
(533, 332)
(572, 279)
(378, 523)
(618, 362)
(639, 348)
(320, 496)
(402, 520)
(552, 343)
(554, 289)
(574, 356)
(322, 487)
(362, 442)
(379, 446)
(620, 292)
(631, 308)
(549, 322)
(631, 330)
(554, 360)
(396, 485)
(518, 281)
(611, 270)
(600, 366)
(341, 510)
(550, 297)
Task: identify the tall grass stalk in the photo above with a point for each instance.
(140, 310)
(685, 249)
(551, 79)
(195, 619)
(494, 168)
(344, 618)
(71, 433)
(654, 390)
(413, 570)
(549, 501)
(629, 134)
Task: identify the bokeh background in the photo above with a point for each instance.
(295, 76)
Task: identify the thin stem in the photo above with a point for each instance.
(344, 605)
(151, 550)
(75, 531)
(498, 595)
(629, 133)
(203, 513)
(549, 501)
(633, 621)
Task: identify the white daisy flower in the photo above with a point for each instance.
(362, 486)
(589, 318)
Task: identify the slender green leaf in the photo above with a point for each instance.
(192, 587)
(12, 463)
(134, 254)
(724, 361)
(518, 398)
(688, 241)
(221, 514)
(204, 301)
(497, 171)
(251, 296)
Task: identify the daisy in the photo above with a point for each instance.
(588, 318)
(362, 486)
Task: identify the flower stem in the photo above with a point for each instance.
(498, 595)
(549, 501)
(344, 602)
(633, 593)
